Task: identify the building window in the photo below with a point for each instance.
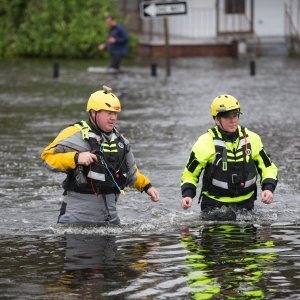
(235, 6)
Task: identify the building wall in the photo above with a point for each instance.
(200, 22)
(269, 17)
(196, 34)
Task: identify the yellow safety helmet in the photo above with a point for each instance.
(104, 100)
(224, 103)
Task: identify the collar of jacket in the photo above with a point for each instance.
(98, 131)
(229, 136)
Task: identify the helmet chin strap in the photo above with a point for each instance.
(94, 121)
(218, 122)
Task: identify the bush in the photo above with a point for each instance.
(54, 28)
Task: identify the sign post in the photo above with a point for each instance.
(150, 10)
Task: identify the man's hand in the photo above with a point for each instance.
(266, 196)
(153, 193)
(86, 158)
(186, 202)
(111, 40)
(101, 47)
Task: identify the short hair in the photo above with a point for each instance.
(108, 16)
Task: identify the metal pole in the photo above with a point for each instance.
(55, 70)
(167, 47)
(252, 67)
(153, 70)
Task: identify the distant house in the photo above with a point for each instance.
(220, 28)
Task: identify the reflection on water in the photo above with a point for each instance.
(209, 261)
(221, 262)
(160, 251)
(91, 259)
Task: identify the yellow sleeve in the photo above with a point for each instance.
(266, 167)
(141, 180)
(59, 158)
(202, 152)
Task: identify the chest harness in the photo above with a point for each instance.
(233, 172)
(110, 173)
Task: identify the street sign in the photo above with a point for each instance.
(162, 9)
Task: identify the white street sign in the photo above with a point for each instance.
(162, 9)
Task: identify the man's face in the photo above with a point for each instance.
(230, 121)
(106, 120)
(110, 22)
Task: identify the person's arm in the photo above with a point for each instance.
(189, 180)
(61, 155)
(143, 184)
(266, 168)
(201, 153)
(102, 46)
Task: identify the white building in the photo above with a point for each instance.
(259, 24)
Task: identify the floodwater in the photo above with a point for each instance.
(160, 251)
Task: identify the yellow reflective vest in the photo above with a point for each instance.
(230, 167)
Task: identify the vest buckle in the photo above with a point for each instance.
(235, 178)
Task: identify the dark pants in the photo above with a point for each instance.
(211, 209)
(115, 61)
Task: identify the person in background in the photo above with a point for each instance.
(232, 157)
(98, 162)
(116, 44)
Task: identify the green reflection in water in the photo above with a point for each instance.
(220, 265)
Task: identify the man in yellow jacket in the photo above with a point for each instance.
(232, 157)
(98, 162)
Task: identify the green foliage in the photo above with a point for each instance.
(133, 41)
(11, 16)
(54, 28)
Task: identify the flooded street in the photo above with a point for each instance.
(161, 251)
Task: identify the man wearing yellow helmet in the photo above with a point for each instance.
(232, 157)
(98, 162)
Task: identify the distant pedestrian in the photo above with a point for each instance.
(116, 44)
(232, 157)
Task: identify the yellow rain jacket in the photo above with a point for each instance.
(60, 154)
(230, 167)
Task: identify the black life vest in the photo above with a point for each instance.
(110, 173)
(232, 173)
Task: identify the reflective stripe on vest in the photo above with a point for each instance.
(220, 143)
(111, 147)
(250, 182)
(244, 141)
(224, 185)
(221, 184)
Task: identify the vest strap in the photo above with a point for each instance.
(84, 128)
